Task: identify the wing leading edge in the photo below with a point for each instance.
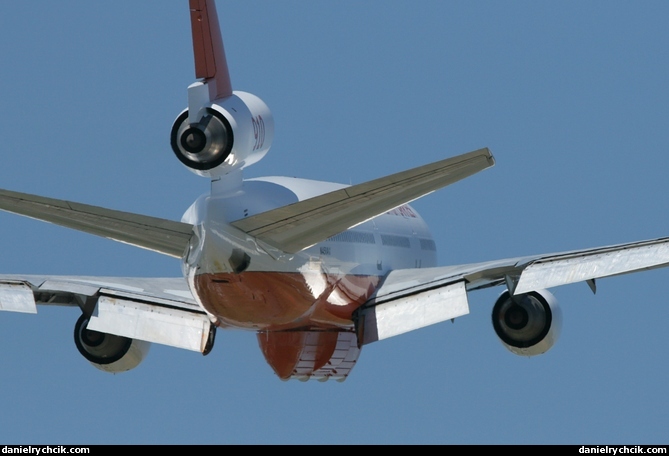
(300, 225)
(152, 233)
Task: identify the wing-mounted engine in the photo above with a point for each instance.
(527, 324)
(225, 135)
(108, 352)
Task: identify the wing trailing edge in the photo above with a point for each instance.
(300, 225)
(160, 235)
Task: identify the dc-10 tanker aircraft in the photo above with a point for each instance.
(317, 269)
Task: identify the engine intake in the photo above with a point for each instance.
(230, 134)
(108, 352)
(204, 145)
(527, 324)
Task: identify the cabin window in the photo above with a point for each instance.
(428, 244)
(353, 236)
(395, 241)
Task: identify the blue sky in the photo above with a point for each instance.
(572, 99)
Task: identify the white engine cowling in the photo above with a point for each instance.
(108, 352)
(230, 134)
(527, 324)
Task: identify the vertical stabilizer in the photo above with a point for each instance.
(210, 62)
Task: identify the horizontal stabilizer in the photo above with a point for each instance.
(152, 233)
(300, 225)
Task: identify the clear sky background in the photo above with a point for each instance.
(570, 96)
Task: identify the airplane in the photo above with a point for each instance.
(316, 269)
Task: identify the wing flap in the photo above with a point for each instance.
(401, 314)
(157, 324)
(17, 297)
(297, 226)
(152, 233)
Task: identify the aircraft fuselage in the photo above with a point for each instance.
(244, 284)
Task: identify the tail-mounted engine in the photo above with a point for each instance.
(225, 135)
(527, 324)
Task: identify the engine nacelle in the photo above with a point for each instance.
(527, 324)
(230, 134)
(108, 352)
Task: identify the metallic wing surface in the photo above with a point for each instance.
(159, 310)
(417, 288)
(300, 225)
(152, 233)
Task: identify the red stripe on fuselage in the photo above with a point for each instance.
(284, 300)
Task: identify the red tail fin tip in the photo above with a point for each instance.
(210, 62)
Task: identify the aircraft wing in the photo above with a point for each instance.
(289, 228)
(409, 299)
(152, 233)
(300, 225)
(160, 310)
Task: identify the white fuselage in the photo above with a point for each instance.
(242, 283)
